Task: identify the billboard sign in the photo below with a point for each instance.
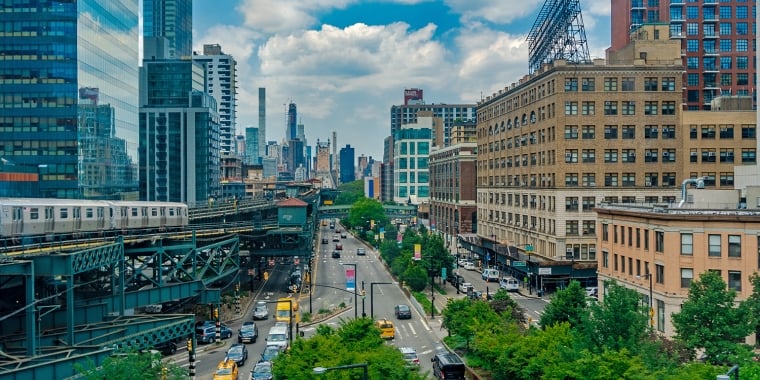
(350, 279)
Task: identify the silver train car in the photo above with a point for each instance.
(54, 219)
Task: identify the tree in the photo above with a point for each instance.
(568, 305)
(132, 365)
(618, 322)
(365, 210)
(753, 303)
(355, 341)
(709, 320)
(350, 192)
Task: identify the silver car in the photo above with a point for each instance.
(261, 311)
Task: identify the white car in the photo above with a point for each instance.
(509, 284)
(469, 266)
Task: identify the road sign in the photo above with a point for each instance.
(517, 263)
(271, 262)
(443, 272)
(296, 261)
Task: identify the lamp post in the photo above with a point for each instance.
(529, 249)
(651, 309)
(364, 366)
(356, 295)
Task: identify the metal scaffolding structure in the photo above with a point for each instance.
(558, 33)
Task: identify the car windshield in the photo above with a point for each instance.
(235, 351)
(403, 308)
(224, 371)
(410, 356)
(270, 352)
(277, 338)
(262, 369)
(247, 328)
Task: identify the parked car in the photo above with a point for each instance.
(336, 254)
(248, 333)
(262, 371)
(261, 311)
(361, 251)
(207, 333)
(403, 311)
(469, 266)
(239, 353)
(410, 356)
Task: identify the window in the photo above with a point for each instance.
(742, 79)
(571, 179)
(571, 204)
(588, 108)
(610, 179)
(571, 132)
(605, 259)
(687, 244)
(668, 131)
(628, 84)
(741, 45)
(692, 45)
(668, 84)
(588, 156)
(742, 62)
(629, 107)
(610, 132)
(714, 245)
(735, 280)
(650, 84)
(629, 132)
(571, 155)
(629, 155)
(610, 156)
(587, 84)
(734, 246)
(687, 274)
(610, 108)
(650, 132)
(629, 179)
(668, 108)
(659, 241)
(650, 107)
(741, 12)
(748, 131)
(610, 84)
(692, 79)
(571, 84)
(748, 155)
(588, 132)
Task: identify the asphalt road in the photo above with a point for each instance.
(421, 332)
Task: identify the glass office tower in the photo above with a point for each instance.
(172, 19)
(69, 102)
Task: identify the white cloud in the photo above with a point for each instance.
(500, 12)
(275, 16)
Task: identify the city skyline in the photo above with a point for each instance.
(345, 63)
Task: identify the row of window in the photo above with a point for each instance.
(611, 156)
(610, 84)
(420, 191)
(625, 107)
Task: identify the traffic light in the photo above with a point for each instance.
(190, 345)
(266, 276)
(364, 293)
(216, 313)
(237, 287)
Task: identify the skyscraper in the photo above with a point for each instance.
(291, 129)
(347, 169)
(72, 65)
(252, 146)
(717, 42)
(262, 121)
(221, 83)
(172, 19)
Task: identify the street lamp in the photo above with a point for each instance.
(364, 366)
(356, 295)
(651, 309)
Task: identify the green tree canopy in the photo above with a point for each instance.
(711, 321)
(618, 322)
(132, 365)
(567, 305)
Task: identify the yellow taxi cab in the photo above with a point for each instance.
(387, 330)
(227, 370)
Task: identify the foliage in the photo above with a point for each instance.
(355, 341)
(618, 322)
(607, 365)
(503, 304)
(424, 302)
(567, 305)
(365, 210)
(350, 192)
(710, 321)
(528, 356)
(416, 277)
(132, 365)
(753, 303)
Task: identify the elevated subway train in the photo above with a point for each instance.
(48, 219)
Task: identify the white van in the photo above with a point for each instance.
(278, 336)
(490, 275)
(509, 284)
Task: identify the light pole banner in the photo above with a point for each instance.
(418, 251)
(350, 279)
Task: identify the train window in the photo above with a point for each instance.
(163, 211)
(77, 212)
(134, 211)
(101, 214)
(153, 211)
(144, 211)
(64, 213)
(88, 214)
(171, 211)
(34, 213)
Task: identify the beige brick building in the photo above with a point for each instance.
(571, 136)
(675, 245)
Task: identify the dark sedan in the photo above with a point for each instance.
(403, 312)
(239, 353)
(248, 333)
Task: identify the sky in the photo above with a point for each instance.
(346, 62)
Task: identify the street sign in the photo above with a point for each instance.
(271, 262)
(518, 263)
(296, 260)
(443, 272)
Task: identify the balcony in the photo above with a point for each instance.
(710, 52)
(710, 18)
(712, 35)
(710, 69)
(676, 3)
(678, 36)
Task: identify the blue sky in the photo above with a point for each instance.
(346, 62)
